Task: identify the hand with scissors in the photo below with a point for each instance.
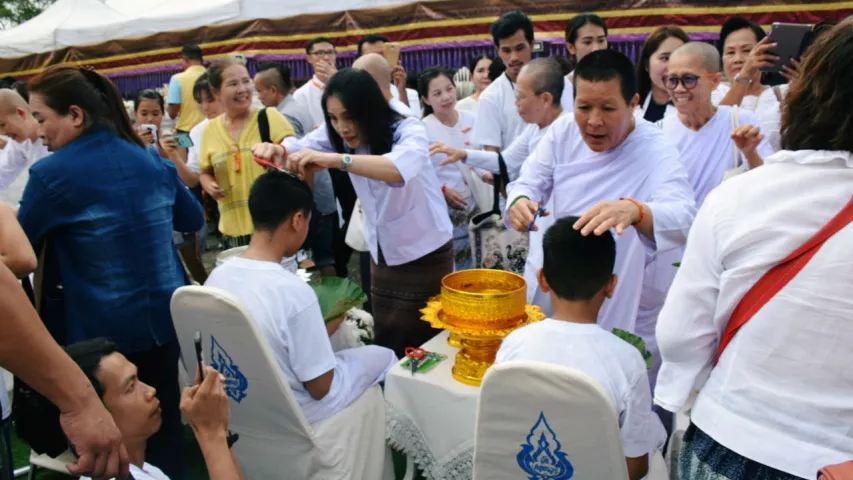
(523, 215)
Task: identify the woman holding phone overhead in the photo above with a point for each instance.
(225, 154)
(405, 216)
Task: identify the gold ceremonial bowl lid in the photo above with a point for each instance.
(488, 298)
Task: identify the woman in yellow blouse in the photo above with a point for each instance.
(225, 157)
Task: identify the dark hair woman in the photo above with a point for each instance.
(652, 67)
(106, 209)
(225, 154)
(585, 33)
(405, 217)
(479, 71)
(796, 344)
(444, 123)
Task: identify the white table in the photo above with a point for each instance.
(431, 416)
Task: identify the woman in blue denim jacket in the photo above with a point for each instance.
(106, 209)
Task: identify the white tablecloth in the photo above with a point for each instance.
(431, 416)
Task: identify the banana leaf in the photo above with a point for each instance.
(337, 296)
(637, 342)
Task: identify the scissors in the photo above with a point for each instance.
(536, 215)
(415, 355)
(267, 164)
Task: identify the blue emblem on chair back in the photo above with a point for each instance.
(541, 457)
(236, 383)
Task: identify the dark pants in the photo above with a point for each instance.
(347, 197)
(159, 369)
(7, 467)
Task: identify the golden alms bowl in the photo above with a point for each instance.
(487, 299)
(479, 308)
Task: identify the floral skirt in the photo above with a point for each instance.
(462, 258)
(702, 458)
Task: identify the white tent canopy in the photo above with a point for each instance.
(84, 22)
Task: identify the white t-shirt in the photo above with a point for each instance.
(286, 310)
(611, 361)
(401, 108)
(15, 161)
(498, 121)
(192, 152)
(413, 98)
(310, 97)
(457, 136)
(468, 104)
(147, 472)
(709, 152)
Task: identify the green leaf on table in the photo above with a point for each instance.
(337, 296)
(636, 341)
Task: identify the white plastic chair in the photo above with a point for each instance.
(535, 415)
(275, 438)
(47, 463)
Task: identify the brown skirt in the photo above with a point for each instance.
(399, 293)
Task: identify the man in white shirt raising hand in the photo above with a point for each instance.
(25, 147)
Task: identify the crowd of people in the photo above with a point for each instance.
(662, 198)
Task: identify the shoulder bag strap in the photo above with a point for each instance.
(778, 92)
(264, 126)
(777, 277)
(500, 180)
(735, 120)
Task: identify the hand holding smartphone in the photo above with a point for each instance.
(392, 54)
(791, 41)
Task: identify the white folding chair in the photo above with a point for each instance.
(275, 438)
(538, 420)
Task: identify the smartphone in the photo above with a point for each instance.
(792, 39)
(183, 139)
(198, 355)
(154, 132)
(392, 54)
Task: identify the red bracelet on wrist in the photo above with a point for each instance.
(640, 206)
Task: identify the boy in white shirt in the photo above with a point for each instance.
(286, 309)
(578, 275)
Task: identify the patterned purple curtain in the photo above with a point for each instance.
(414, 61)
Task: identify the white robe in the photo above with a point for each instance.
(310, 97)
(457, 136)
(644, 167)
(766, 106)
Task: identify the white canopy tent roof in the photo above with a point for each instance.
(84, 22)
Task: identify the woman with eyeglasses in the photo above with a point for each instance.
(709, 140)
(651, 70)
(406, 224)
(225, 158)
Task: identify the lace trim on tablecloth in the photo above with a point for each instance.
(404, 435)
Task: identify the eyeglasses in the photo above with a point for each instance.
(323, 53)
(688, 80)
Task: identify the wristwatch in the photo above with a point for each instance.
(744, 81)
(346, 161)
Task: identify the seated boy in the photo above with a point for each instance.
(136, 410)
(286, 309)
(578, 275)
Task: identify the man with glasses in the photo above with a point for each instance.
(322, 56)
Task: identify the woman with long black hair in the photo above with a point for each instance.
(405, 216)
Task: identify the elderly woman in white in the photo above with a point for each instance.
(775, 403)
(406, 225)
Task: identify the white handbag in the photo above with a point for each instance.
(355, 231)
(493, 245)
(740, 163)
(481, 190)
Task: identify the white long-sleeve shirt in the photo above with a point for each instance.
(781, 392)
(644, 167)
(407, 220)
(15, 160)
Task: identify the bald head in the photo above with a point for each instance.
(547, 76)
(11, 101)
(706, 53)
(378, 68)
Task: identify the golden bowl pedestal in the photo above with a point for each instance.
(479, 308)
